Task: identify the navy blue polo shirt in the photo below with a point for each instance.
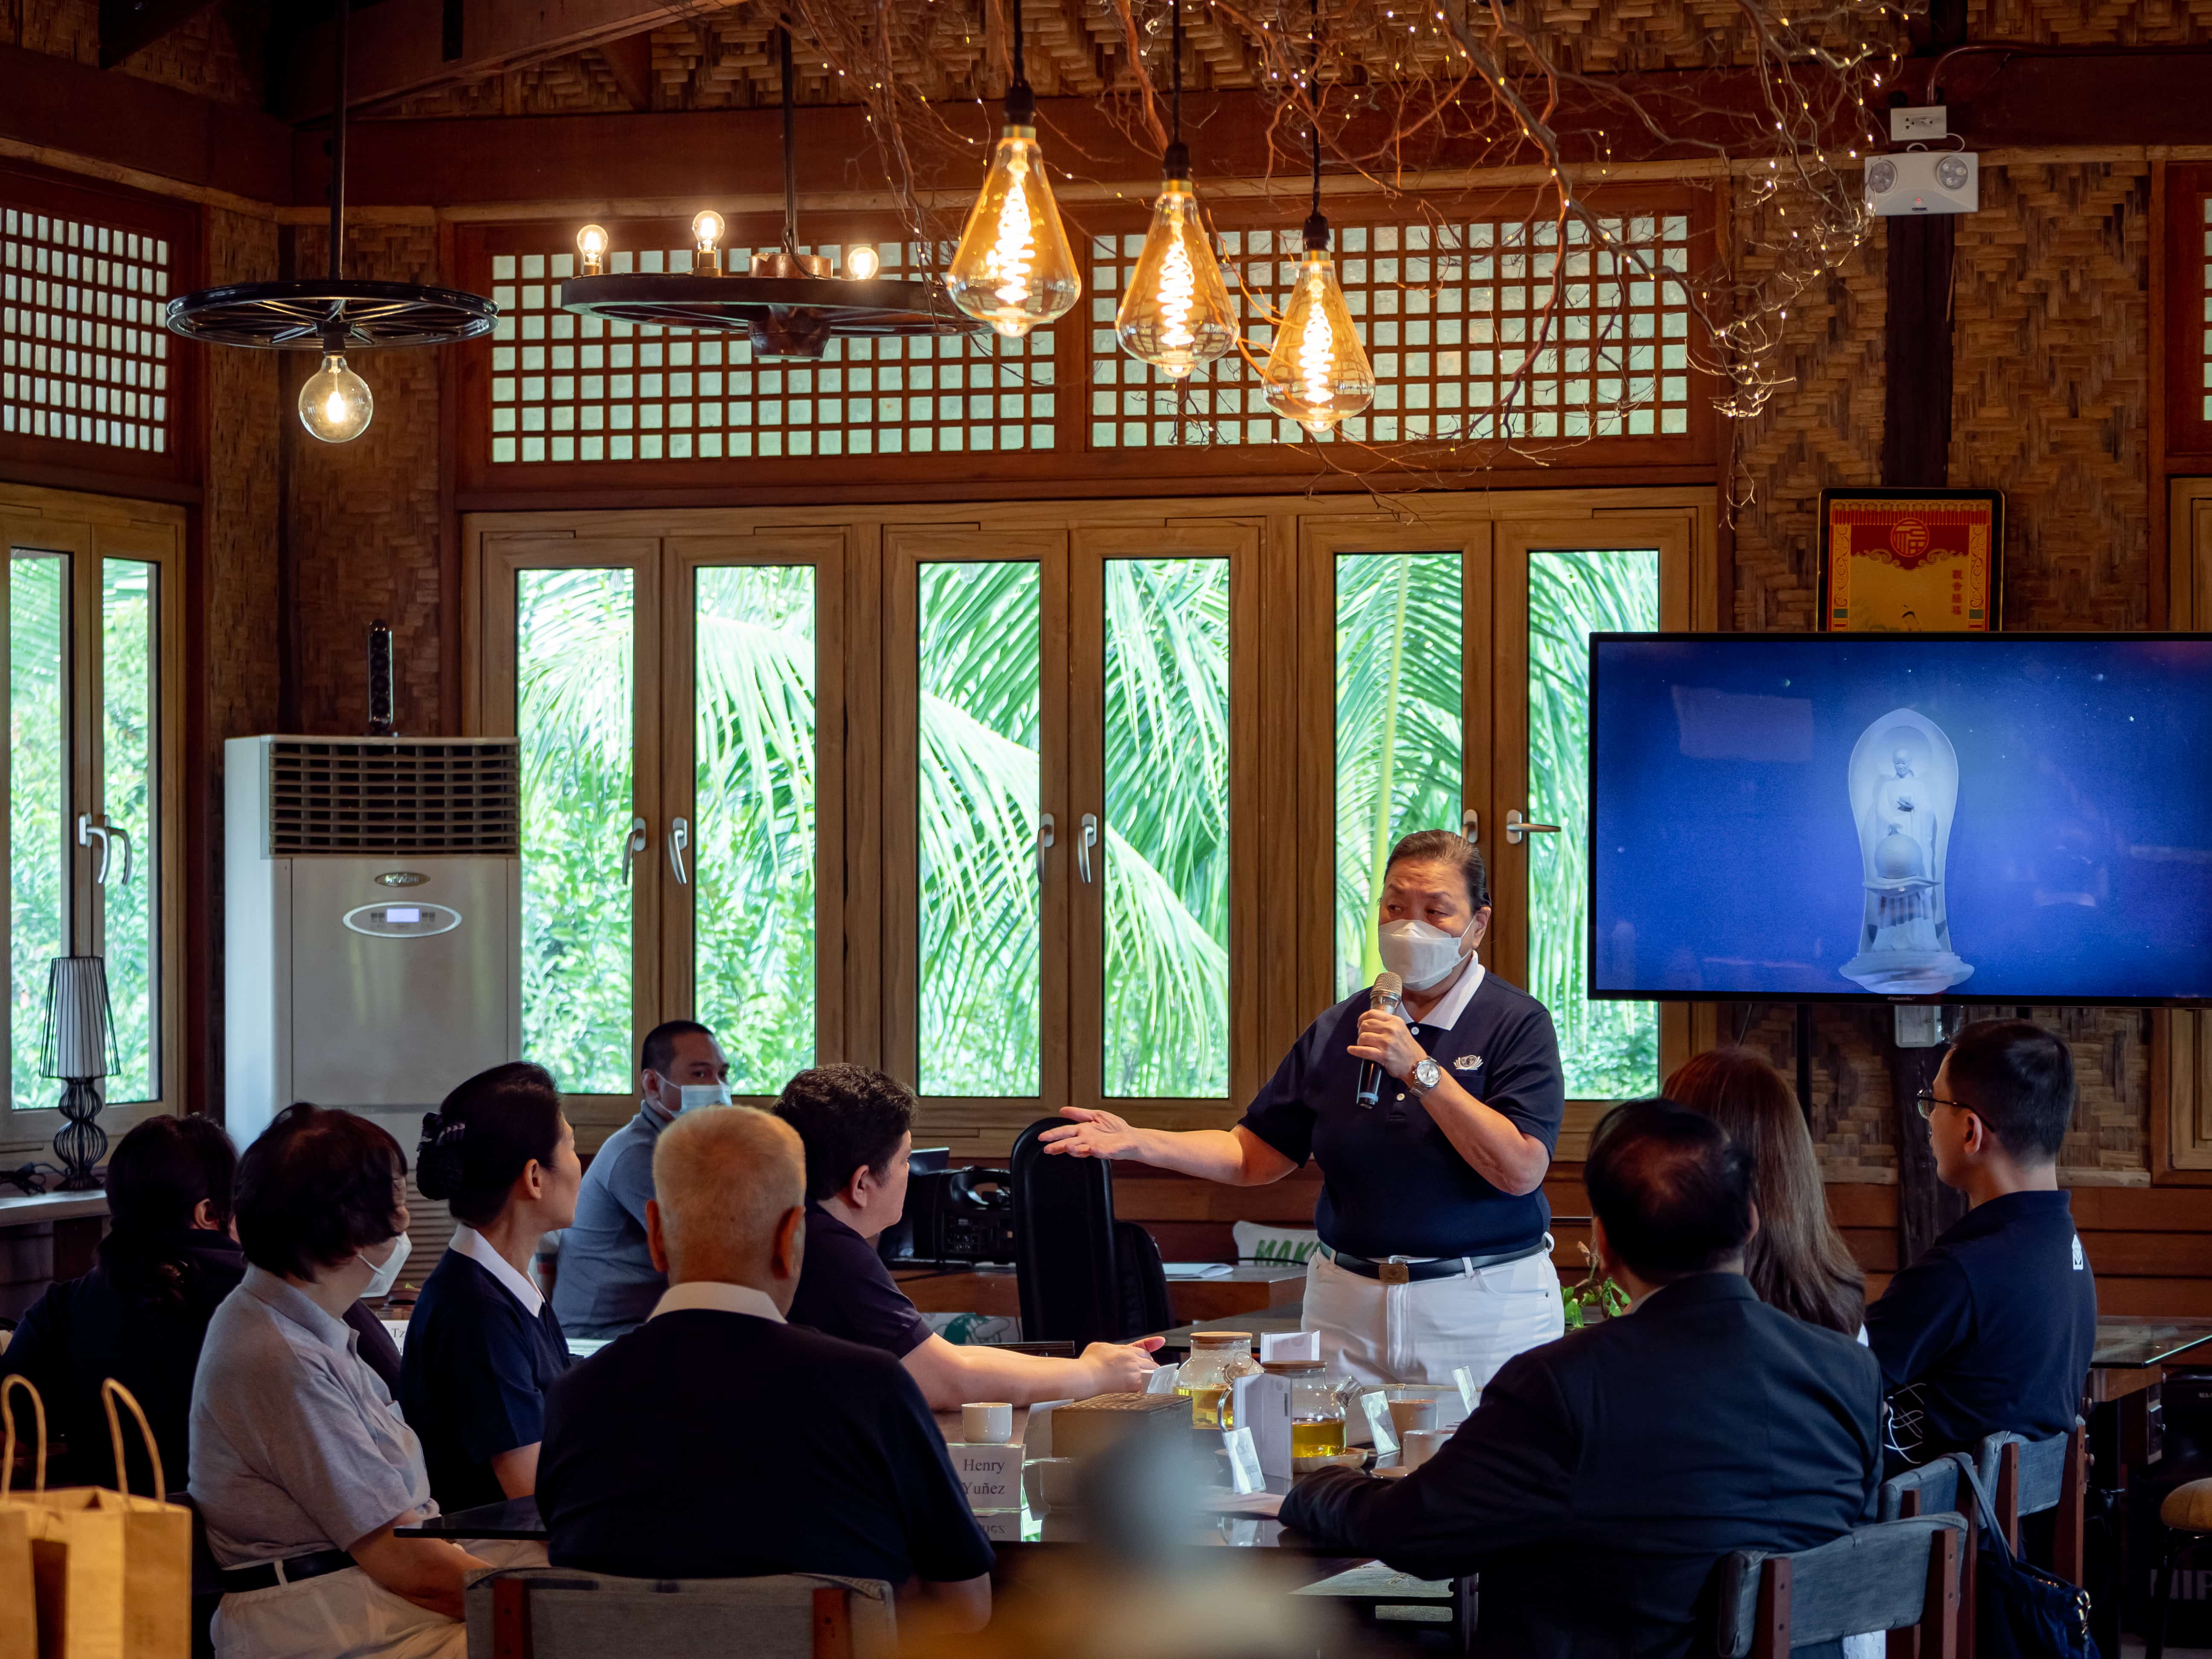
(845, 1291)
(1991, 1329)
(473, 1377)
(1391, 1183)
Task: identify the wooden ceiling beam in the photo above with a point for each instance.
(131, 25)
(400, 46)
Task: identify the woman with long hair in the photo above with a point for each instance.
(141, 1313)
(1798, 1262)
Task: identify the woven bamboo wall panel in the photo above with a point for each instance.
(64, 28)
(222, 53)
(2052, 386)
(1854, 1120)
(2090, 22)
(364, 515)
(1822, 429)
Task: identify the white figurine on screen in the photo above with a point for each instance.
(1904, 782)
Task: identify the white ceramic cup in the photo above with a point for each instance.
(1410, 1410)
(1420, 1445)
(991, 1424)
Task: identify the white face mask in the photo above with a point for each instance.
(387, 1271)
(703, 1094)
(1421, 955)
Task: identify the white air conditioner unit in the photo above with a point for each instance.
(373, 923)
(1909, 181)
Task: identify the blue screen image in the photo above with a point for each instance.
(1979, 819)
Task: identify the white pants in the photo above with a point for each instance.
(1381, 1333)
(349, 1615)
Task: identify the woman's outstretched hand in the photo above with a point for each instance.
(1092, 1135)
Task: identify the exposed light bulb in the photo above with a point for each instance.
(1013, 269)
(1175, 314)
(707, 231)
(592, 243)
(862, 263)
(335, 404)
(1317, 374)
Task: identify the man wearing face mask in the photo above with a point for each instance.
(606, 1284)
(1432, 1218)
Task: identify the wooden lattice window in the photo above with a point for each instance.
(2185, 275)
(566, 388)
(90, 381)
(1453, 313)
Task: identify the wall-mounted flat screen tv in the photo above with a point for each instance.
(1978, 818)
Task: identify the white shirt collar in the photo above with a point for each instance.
(1445, 1014)
(717, 1296)
(474, 1245)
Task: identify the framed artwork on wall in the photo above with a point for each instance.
(1911, 561)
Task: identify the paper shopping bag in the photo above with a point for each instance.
(19, 1623)
(111, 1573)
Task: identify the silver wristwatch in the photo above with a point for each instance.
(1426, 1075)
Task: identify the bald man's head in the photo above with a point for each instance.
(729, 1187)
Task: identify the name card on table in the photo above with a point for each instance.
(990, 1475)
(1244, 1474)
(1376, 1405)
(1289, 1345)
(1162, 1380)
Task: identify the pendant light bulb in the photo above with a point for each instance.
(1317, 374)
(591, 244)
(707, 231)
(862, 262)
(1175, 314)
(335, 404)
(1013, 268)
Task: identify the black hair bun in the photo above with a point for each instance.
(438, 1158)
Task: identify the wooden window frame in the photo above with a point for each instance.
(90, 528)
(1282, 736)
(2181, 1038)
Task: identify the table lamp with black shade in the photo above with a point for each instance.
(80, 1049)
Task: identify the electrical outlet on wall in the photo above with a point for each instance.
(1928, 121)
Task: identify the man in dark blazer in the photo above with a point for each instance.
(1602, 1476)
(715, 1441)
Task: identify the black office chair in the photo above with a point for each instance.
(1083, 1277)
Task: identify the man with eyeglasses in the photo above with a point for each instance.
(1992, 1328)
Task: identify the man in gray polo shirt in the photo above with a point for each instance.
(606, 1282)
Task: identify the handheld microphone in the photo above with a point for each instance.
(1383, 999)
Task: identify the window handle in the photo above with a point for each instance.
(1470, 827)
(85, 830)
(633, 844)
(1044, 843)
(679, 837)
(1517, 827)
(1083, 847)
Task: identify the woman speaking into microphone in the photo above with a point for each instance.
(1434, 1252)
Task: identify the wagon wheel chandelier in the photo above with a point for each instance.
(329, 314)
(790, 303)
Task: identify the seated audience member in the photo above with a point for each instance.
(482, 1345)
(858, 1127)
(1602, 1476)
(141, 1313)
(718, 1442)
(1993, 1328)
(140, 1316)
(606, 1282)
(302, 1464)
(1797, 1262)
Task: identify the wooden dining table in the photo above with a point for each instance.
(1247, 1287)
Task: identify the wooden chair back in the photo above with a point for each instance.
(1901, 1576)
(2027, 1477)
(553, 1613)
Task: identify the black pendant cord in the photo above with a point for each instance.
(338, 141)
(790, 147)
(1178, 155)
(1021, 102)
(1317, 224)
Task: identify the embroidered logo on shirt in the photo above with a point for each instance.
(2079, 1264)
(1466, 1063)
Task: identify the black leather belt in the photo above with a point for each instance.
(263, 1575)
(1399, 1271)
